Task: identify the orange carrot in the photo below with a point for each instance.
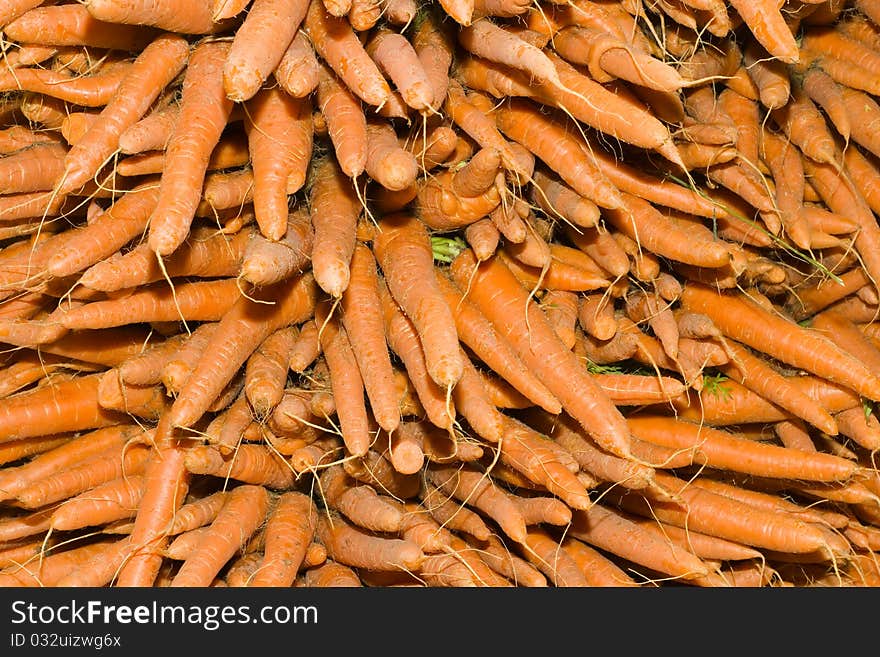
(252, 464)
(243, 511)
(279, 129)
(290, 528)
(113, 500)
(727, 451)
(151, 72)
(306, 348)
(204, 111)
(754, 373)
(336, 42)
(346, 122)
(398, 60)
(259, 44)
(768, 26)
(801, 348)
(94, 90)
(151, 132)
(297, 72)
(558, 368)
(189, 17)
(358, 548)
(387, 162)
(334, 211)
(266, 371)
(403, 251)
(250, 322)
(362, 318)
(404, 341)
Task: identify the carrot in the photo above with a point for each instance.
(177, 369)
(403, 251)
(813, 297)
(346, 382)
(204, 111)
(151, 132)
(298, 71)
(15, 8)
(558, 199)
(825, 92)
(717, 515)
(192, 17)
(81, 447)
(69, 405)
(346, 122)
(559, 150)
(266, 371)
(362, 318)
(78, 478)
(290, 527)
(50, 570)
(836, 366)
(360, 504)
(539, 348)
(727, 451)
(32, 169)
(206, 300)
(112, 500)
(483, 237)
(757, 375)
(477, 490)
(863, 429)
(355, 547)
(847, 335)
(330, 574)
(197, 513)
(279, 130)
(18, 450)
(403, 339)
(611, 531)
(306, 347)
(387, 162)
(243, 511)
(93, 90)
(156, 66)
(336, 42)
(405, 447)
(805, 126)
(251, 322)
(561, 308)
(251, 464)
(334, 211)
(74, 26)
(259, 44)
(768, 26)
(397, 59)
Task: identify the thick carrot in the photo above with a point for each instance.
(306, 348)
(250, 463)
(240, 331)
(362, 318)
(336, 42)
(188, 16)
(73, 25)
(155, 67)
(15, 8)
(800, 347)
(204, 112)
(243, 511)
(500, 297)
(298, 71)
(805, 126)
(388, 163)
(765, 21)
(259, 44)
(396, 58)
(403, 251)
(334, 211)
(545, 553)
(32, 169)
(68, 405)
(279, 130)
(346, 122)
(358, 548)
(290, 527)
(360, 504)
(150, 133)
(611, 531)
(266, 371)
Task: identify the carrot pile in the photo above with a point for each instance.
(454, 293)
